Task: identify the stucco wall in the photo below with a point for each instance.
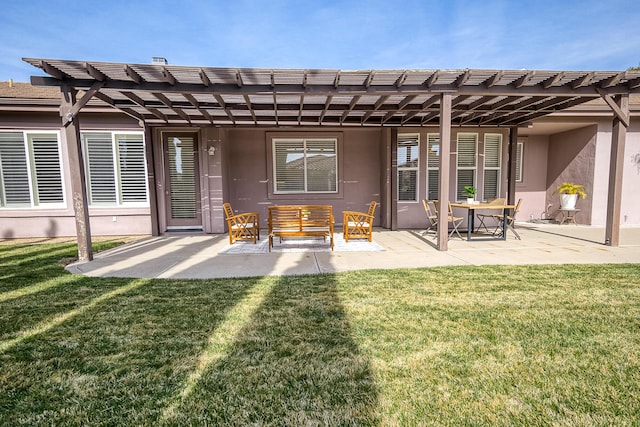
(533, 188)
(248, 174)
(571, 158)
(38, 222)
(630, 205)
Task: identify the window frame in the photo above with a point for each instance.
(34, 191)
(415, 168)
(474, 168)
(519, 161)
(119, 202)
(433, 139)
(298, 196)
(497, 168)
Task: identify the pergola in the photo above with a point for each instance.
(167, 95)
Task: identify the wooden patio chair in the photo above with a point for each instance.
(242, 226)
(484, 217)
(455, 221)
(358, 225)
(511, 219)
(432, 217)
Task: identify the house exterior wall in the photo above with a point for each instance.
(572, 158)
(630, 205)
(533, 188)
(240, 172)
(60, 222)
(249, 171)
(411, 214)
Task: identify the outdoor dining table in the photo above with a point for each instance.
(472, 207)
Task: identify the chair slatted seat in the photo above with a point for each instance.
(242, 226)
(358, 225)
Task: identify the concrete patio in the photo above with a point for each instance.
(198, 256)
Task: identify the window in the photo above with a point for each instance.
(466, 172)
(519, 151)
(305, 165)
(115, 168)
(433, 165)
(30, 171)
(408, 152)
(492, 164)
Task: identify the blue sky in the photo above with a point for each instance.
(335, 34)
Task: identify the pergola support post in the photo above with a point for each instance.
(511, 167)
(71, 125)
(445, 167)
(394, 179)
(151, 180)
(616, 162)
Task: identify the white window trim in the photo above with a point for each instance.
(519, 160)
(474, 168)
(30, 169)
(304, 140)
(415, 168)
(116, 173)
(497, 168)
(432, 168)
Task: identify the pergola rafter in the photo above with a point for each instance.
(352, 98)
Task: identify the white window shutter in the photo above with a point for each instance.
(408, 165)
(99, 165)
(132, 168)
(467, 143)
(289, 165)
(321, 165)
(492, 165)
(14, 172)
(47, 172)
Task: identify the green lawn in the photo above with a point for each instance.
(530, 345)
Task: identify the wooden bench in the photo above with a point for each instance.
(300, 221)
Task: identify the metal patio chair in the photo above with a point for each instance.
(455, 221)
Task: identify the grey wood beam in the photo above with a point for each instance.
(464, 77)
(524, 79)
(552, 81)
(247, 101)
(400, 81)
(78, 105)
(326, 108)
(349, 90)
(493, 80)
(619, 113)
(53, 71)
(432, 79)
(77, 176)
(445, 169)
(196, 104)
(204, 77)
(168, 77)
(151, 180)
(616, 165)
(94, 72)
(131, 73)
(168, 103)
(142, 103)
(369, 79)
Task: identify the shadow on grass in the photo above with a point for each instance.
(117, 362)
(294, 363)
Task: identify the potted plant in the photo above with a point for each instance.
(569, 193)
(470, 191)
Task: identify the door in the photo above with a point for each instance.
(182, 181)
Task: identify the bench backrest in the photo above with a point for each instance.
(297, 218)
